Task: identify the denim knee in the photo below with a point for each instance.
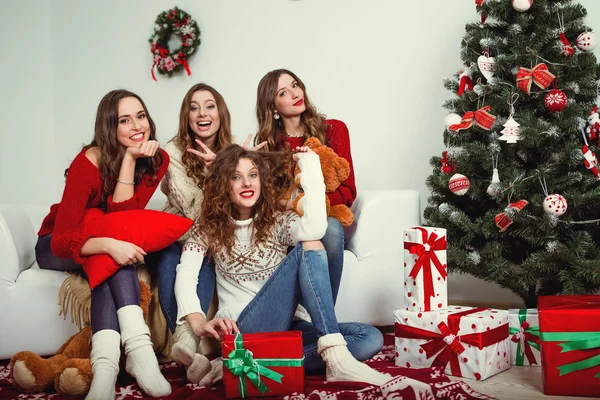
(364, 341)
(333, 240)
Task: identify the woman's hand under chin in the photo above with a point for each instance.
(145, 150)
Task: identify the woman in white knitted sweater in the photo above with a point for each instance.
(259, 284)
(204, 129)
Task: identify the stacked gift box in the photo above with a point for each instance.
(469, 342)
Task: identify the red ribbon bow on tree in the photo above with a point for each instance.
(503, 221)
(481, 118)
(523, 337)
(448, 344)
(538, 74)
(426, 255)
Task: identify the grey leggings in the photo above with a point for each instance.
(121, 289)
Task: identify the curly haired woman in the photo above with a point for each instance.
(259, 284)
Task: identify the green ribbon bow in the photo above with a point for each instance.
(576, 341)
(533, 330)
(241, 363)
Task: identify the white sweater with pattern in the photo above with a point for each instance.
(240, 276)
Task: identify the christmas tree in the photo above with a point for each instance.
(518, 189)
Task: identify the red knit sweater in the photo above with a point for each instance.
(339, 140)
(82, 191)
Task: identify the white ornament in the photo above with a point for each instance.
(495, 187)
(452, 119)
(522, 5)
(510, 131)
(487, 66)
(459, 184)
(586, 41)
(555, 204)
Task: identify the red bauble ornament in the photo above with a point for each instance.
(556, 100)
(459, 184)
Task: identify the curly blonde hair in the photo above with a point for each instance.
(272, 130)
(216, 221)
(186, 138)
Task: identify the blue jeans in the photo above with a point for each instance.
(166, 264)
(364, 341)
(305, 274)
(333, 241)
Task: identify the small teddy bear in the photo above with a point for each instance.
(335, 170)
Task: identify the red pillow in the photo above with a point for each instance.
(149, 229)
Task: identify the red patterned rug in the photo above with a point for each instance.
(405, 384)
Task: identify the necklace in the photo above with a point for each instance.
(295, 136)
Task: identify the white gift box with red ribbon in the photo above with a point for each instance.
(524, 326)
(425, 270)
(469, 342)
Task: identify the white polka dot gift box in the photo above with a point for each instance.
(524, 327)
(469, 342)
(425, 270)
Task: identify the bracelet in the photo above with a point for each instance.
(125, 183)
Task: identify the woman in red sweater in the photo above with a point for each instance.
(119, 170)
(286, 118)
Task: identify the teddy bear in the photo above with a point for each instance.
(335, 170)
(69, 371)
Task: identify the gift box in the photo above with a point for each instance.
(425, 284)
(524, 332)
(570, 338)
(263, 364)
(468, 342)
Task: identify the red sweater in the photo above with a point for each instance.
(82, 191)
(339, 140)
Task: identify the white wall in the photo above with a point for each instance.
(375, 64)
(28, 154)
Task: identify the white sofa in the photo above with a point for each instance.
(371, 285)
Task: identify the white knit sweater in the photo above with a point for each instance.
(241, 275)
(184, 196)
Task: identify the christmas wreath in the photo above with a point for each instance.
(173, 22)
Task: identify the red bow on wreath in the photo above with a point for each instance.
(426, 256)
(503, 221)
(162, 53)
(538, 74)
(481, 117)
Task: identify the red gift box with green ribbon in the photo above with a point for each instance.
(263, 364)
(570, 337)
(524, 332)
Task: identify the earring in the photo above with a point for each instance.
(276, 115)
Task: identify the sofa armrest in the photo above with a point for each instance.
(17, 242)
(380, 216)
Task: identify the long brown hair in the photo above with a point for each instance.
(272, 130)
(186, 138)
(111, 152)
(216, 221)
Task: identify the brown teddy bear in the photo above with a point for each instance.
(69, 371)
(335, 170)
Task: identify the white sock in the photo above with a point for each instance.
(198, 369)
(106, 351)
(141, 360)
(214, 375)
(185, 345)
(342, 366)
